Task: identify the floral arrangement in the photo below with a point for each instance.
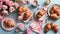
(7, 6)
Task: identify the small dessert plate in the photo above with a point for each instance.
(42, 18)
(5, 27)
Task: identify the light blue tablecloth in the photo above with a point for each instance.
(41, 3)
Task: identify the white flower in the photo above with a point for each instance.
(5, 7)
(11, 9)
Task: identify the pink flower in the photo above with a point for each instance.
(16, 4)
(10, 3)
(19, 17)
(4, 12)
(1, 17)
(0, 0)
(28, 31)
(6, 1)
(0, 4)
(11, 9)
(20, 25)
(5, 7)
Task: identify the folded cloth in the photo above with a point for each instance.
(27, 31)
(23, 1)
(45, 8)
(37, 26)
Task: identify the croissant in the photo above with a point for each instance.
(21, 10)
(55, 28)
(47, 28)
(53, 16)
(52, 26)
(26, 15)
(40, 14)
(9, 23)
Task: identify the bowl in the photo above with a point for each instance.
(51, 7)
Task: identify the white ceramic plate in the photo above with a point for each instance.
(51, 7)
(6, 28)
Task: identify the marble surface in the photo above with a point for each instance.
(41, 3)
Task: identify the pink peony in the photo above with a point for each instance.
(19, 17)
(4, 12)
(11, 9)
(28, 31)
(10, 3)
(20, 25)
(16, 4)
(0, 4)
(0, 0)
(6, 1)
(1, 17)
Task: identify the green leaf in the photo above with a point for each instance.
(13, 0)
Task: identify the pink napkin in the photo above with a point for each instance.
(27, 31)
(37, 26)
(45, 8)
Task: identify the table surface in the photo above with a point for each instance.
(41, 3)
